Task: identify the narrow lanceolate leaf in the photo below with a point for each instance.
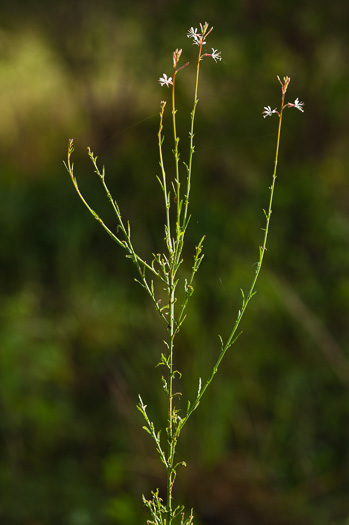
(243, 297)
(160, 182)
(147, 430)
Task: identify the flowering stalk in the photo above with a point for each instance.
(176, 57)
(262, 249)
(198, 39)
(176, 247)
(164, 267)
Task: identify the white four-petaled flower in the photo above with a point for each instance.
(197, 37)
(165, 81)
(216, 55)
(192, 33)
(297, 104)
(268, 111)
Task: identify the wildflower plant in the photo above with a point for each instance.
(163, 272)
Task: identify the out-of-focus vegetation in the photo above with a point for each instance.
(79, 341)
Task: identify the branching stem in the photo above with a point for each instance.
(164, 269)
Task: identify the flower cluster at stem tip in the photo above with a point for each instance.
(198, 40)
(297, 103)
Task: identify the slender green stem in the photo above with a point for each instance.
(164, 182)
(176, 152)
(140, 264)
(170, 429)
(175, 261)
(262, 248)
(232, 337)
(191, 134)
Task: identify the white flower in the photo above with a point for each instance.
(197, 38)
(268, 111)
(192, 33)
(216, 55)
(164, 81)
(297, 104)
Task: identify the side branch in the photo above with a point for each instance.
(126, 244)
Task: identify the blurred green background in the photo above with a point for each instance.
(79, 340)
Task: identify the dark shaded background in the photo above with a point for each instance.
(78, 338)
